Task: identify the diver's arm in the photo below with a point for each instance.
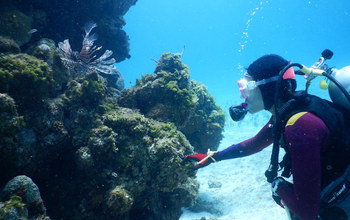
(253, 145)
(305, 137)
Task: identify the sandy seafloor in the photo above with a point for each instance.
(244, 193)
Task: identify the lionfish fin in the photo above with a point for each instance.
(86, 60)
(93, 37)
(89, 26)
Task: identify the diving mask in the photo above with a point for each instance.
(245, 86)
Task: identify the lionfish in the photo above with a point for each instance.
(86, 60)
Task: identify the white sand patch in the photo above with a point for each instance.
(244, 193)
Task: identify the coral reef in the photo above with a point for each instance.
(90, 156)
(119, 201)
(10, 122)
(25, 78)
(169, 95)
(22, 200)
(15, 24)
(46, 50)
(8, 45)
(119, 163)
(62, 19)
(88, 91)
(13, 209)
(141, 163)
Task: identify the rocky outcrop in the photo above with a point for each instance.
(15, 24)
(169, 95)
(27, 21)
(8, 45)
(90, 156)
(85, 151)
(22, 200)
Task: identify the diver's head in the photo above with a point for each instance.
(251, 92)
(259, 84)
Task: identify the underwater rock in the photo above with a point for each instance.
(63, 19)
(84, 158)
(8, 45)
(45, 49)
(119, 201)
(203, 204)
(25, 78)
(25, 193)
(10, 122)
(214, 184)
(188, 192)
(102, 142)
(13, 209)
(169, 95)
(141, 160)
(87, 91)
(114, 80)
(42, 133)
(15, 25)
(91, 158)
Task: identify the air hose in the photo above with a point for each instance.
(271, 172)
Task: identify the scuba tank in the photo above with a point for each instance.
(339, 86)
(336, 95)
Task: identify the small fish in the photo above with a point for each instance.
(32, 31)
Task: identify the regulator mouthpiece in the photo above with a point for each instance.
(238, 112)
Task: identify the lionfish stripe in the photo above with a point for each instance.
(86, 60)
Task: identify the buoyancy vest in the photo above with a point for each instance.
(336, 158)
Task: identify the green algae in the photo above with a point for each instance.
(10, 121)
(90, 91)
(169, 95)
(13, 205)
(15, 25)
(25, 78)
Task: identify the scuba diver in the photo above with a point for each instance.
(312, 131)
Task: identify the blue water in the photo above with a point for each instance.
(221, 37)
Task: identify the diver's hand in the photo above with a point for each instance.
(201, 159)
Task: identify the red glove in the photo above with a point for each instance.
(201, 159)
